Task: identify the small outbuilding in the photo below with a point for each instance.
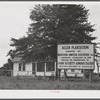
(22, 68)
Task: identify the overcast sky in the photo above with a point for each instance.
(14, 22)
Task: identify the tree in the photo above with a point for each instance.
(53, 24)
(6, 68)
(8, 65)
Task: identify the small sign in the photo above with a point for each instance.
(75, 56)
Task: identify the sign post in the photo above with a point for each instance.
(75, 56)
(90, 76)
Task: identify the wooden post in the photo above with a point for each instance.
(57, 71)
(90, 76)
(64, 74)
(59, 74)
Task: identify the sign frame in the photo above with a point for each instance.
(77, 44)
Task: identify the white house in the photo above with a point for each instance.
(21, 68)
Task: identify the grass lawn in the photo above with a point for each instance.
(30, 83)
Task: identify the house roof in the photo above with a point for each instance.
(16, 59)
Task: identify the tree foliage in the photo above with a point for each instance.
(5, 70)
(51, 25)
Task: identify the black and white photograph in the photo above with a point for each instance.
(52, 46)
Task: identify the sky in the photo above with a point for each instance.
(14, 22)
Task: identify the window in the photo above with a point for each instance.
(50, 66)
(40, 66)
(23, 66)
(19, 66)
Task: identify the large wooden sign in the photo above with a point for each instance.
(75, 56)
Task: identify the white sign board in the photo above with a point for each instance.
(75, 56)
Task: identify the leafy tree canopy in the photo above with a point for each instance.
(51, 25)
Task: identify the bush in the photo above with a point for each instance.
(86, 73)
(5, 73)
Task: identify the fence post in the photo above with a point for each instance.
(59, 74)
(90, 76)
